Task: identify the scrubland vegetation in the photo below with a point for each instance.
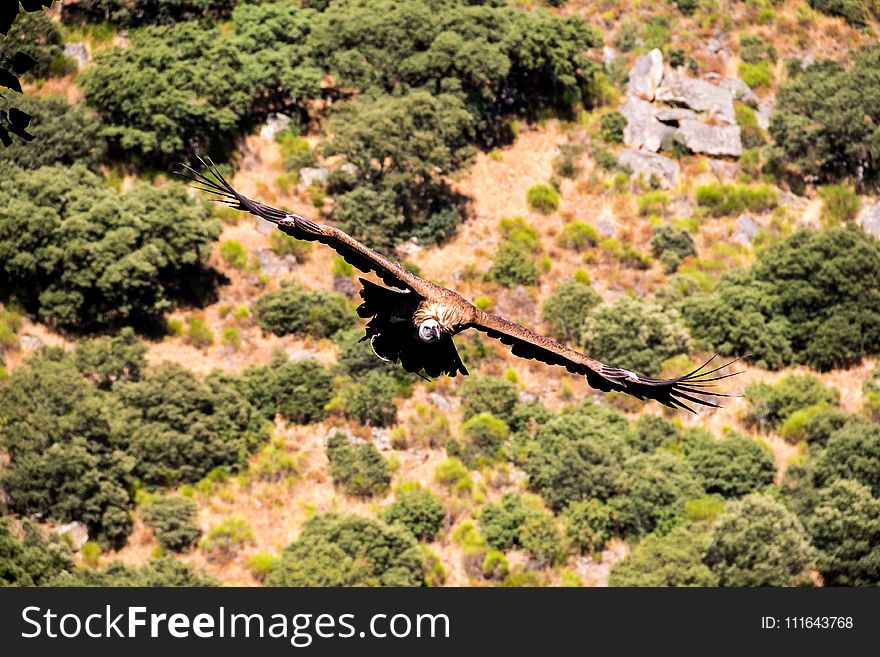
(192, 393)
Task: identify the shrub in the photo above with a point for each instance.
(542, 198)
(523, 235)
(293, 309)
(163, 571)
(566, 164)
(232, 337)
(283, 244)
(371, 400)
(636, 335)
(488, 394)
(587, 525)
(132, 13)
(852, 452)
(416, 509)
(227, 537)
(734, 466)
(578, 235)
(295, 150)
(794, 428)
(513, 266)
(501, 524)
(484, 435)
(672, 246)
(773, 404)
(653, 431)
(670, 560)
(34, 559)
(347, 550)
(453, 474)
(234, 254)
(611, 127)
(722, 199)
(172, 519)
(98, 257)
(111, 360)
(298, 390)
(198, 333)
(757, 75)
(855, 12)
(653, 203)
(565, 309)
(36, 35)
(260, 565)
(540, 537)
(754, 49)
(758, 542)
(358, 468)
(845, 528)
(840, 204)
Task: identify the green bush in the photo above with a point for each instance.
(840, 205)
(34, 559)
(172, 519)
(855, 12)
(611, 127)
(416, 509)
(566, 164)
(295, 150)
(298, 390)
(513, 266)
(734, 466)
(132, 13)
(36, 35)
(722, 199)
(234, 254)
(518, 232)
(358, 468)
(565, 309)
(97, 257)
(284, 245)
(488, 394)
(753, 49)
(227, 537)
(542, 198)
(674, 559)
(578, 235)
(587, 525)
(198, 333)
(294, 309)
(756, 75)
(637, 335)
(109, 360)
(501, 524)
(852, 452)
(758, 542)
(653, 431)
(773, 404)
(653, 203)
(484, 435)
(671, 246)
(347, 550)
(164, 571)
(371, 400)
(541, 539)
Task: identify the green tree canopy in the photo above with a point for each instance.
(733, 466)
(673, 559)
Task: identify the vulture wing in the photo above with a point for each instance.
(355, 253)
(675, 393)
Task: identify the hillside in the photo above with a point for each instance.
(637, 182)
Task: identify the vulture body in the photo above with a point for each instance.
(414, 320)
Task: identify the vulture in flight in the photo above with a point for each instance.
(412, 321)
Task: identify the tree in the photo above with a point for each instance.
(501, 524)
(488, 394)
(172, 519)
(417, 509)
(824, 120)
(63, 134)
(758, 542)
(294, 309)
(181, 428)
(653, 431)
(845, 527)
(33, 559)
(131, 13)
(673, 559)
(540, 537)
(734, 466)
(337, 549)
(636, 335)
(565, 309)
(163, 571)
(484, 435)
(773, 404)
(852, 452)
(358, 468)
(297, 390)
(587, 525)
(671, 246)
(513, 266)
(36, 35)
(371, 400)
(110, 360)
(82, 255)
(855, 12)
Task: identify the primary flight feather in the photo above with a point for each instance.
(413, 321)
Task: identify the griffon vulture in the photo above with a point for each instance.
(413, 320)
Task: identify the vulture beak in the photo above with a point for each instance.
(435, 331)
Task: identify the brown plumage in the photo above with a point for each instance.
(412, 321)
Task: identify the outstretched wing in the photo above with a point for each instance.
(675, 393)
(356, 254)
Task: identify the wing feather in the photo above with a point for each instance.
(674, 393)
(355, 253)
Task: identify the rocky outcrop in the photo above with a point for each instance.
(78, 52)
(274, 124)
(643, 164)
(643, 130)
(711, 139)
(699, 95)
(745, 229)
(646, 75)
(311, 176)
(75, 533)
(869, 220)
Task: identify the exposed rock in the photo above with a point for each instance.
(765, 111)
(869, 220)
(381, 438)
(31, 342)
(609, 54)
(309, 176)
(348, 168)
(711, 139)
(724, 170)
(642, 129)
(75, 533)
(410, 247)
(674, 114)
(273, 265)
(681, 206)
(645, 75)
(78, 52)
(745, 229)
(606, 227)
(264, 227)
(274, 124)
(441, 401)
(714, 46)
(665, 169)
(739, 90)
(345, 285)
(699, 95)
